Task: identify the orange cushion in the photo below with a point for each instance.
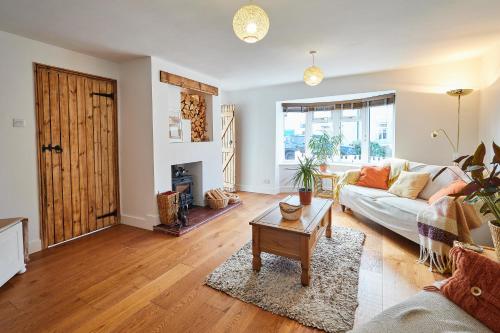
(453, 188)
(376, 177)
(474, 286)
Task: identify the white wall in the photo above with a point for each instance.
(421, 106)
(166, 97)
(136, 143)
(489, 115)
(18, 164)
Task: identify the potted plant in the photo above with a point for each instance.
(484, 185)
(323, 147)
(303, 178)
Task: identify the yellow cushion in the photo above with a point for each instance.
(409, 184)
(397, 165)
(350, 177)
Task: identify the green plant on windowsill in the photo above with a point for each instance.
(324, 147)
(484, 185)
(303, 178)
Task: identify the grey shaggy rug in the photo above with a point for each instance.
(330, 301)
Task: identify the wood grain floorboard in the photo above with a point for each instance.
(125, 279)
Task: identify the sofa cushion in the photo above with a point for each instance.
(411, 206)
(374, 177)
(409, 184)
(369, 202)
(474, 286)
(455, 187)
(350, 177)
(440, 182)
(373, 193)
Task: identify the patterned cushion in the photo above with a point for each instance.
(475, 286)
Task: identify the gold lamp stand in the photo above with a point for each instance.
(454, 93)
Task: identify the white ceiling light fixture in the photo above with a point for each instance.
(250, 23)
(313, 75)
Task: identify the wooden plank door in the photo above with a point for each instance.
(228, 147)
(77, 153)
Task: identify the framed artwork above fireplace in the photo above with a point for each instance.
(175, 128)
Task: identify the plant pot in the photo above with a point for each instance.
(495, 234)
(305, 197)
(323, 167)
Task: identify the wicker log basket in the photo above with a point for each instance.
(233, 198)
(495, 234)
(218, 203)
(168, 206)
(290, 212)
(218, 199)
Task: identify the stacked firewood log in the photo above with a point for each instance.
(194, 108)
(218, 194)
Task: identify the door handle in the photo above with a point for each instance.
(58, 149)
(45, 148)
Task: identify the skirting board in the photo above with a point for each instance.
(139, 222)
(287, 189)
(35, 245)
(267, 189)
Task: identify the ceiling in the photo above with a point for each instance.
(351, 36)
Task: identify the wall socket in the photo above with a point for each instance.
(267, 181)
(18, 122)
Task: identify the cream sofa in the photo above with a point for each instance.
(400, 214)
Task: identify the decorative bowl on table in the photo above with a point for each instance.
(290, 212)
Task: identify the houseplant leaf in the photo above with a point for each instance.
(496, 151)
(467, 162)
(458, 160)
(478, 156)
(478, 161)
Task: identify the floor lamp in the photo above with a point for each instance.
(455, 146)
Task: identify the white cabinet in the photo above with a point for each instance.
(11, 251)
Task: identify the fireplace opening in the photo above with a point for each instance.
(187, 181)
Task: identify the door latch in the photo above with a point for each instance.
(56, 148)
(45, 148)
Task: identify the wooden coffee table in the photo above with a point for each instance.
(292, 239)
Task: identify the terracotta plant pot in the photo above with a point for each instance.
(495, 234)
(323, 167)
(305, 197)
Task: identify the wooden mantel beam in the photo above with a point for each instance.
(184, 82)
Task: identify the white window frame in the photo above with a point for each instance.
(337, 119)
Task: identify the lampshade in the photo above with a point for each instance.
(250, 23)
(459, 92)
(313, 75)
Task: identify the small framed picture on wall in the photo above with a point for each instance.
(175, 128)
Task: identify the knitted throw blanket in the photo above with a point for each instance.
(442, 223)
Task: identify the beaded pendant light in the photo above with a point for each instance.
(313, 75)
(250, 23)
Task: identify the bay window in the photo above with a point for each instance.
(366, 127)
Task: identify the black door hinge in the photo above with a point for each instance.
(113, 213)
(110, 95)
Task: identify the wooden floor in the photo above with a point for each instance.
(129, 279)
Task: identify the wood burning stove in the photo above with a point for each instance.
(183, 184)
